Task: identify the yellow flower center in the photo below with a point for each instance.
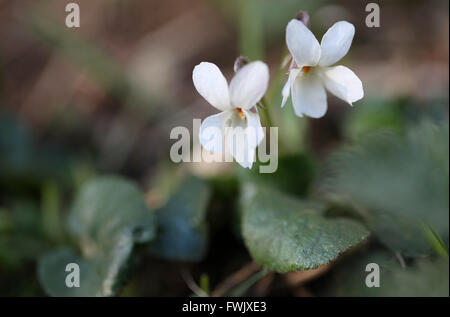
(306, 69)
(241, 113)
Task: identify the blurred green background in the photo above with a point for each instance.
(101, 99)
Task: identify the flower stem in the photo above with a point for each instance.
(267, 116)
(269, 123)
(276, 84)
(269, 99)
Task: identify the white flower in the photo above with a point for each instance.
(312, 72)
(237, 126)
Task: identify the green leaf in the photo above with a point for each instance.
(108, 218)
(284, 234)
(400, 181)
(52, 275)
(294, 175)
(424, 277)
(182, 230)
(110, 206)
(436, 241)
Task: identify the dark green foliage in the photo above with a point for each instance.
(108, 218)
(399, 182)
(182, 230)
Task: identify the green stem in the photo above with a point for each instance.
(435, 240)
(269, 124)
(267, 115)
(251, 36)
(276, 84)
(50, 206)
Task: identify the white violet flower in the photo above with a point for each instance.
(236, 126)
(312, 71)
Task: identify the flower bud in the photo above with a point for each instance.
(303, 17)
(239, 63)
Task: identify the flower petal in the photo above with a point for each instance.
(336, 42)
(285, 92)
(302, 44)
(343, 83)
(211, 85)
(212, 131)
(254, 130)
(309, 96)
(243, 138)
(249, 85)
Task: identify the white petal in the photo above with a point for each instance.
(212, 131)
(336, 42)
(211, 85)
(309, 96)
(302, 44)
(249, 85)
(254, 130)
(244, 137)
(285, 92)
(343, 83)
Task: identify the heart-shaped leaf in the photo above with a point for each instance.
(402, 181)
(182, 230)
(284, 234)
(109, 217)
